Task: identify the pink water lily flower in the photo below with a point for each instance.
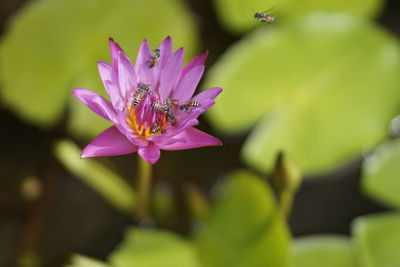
(151, 106)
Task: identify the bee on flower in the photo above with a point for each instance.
(146, 100)
(154, 58)
(188, 106)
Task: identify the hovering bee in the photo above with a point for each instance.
(264, 16)
(139, 93)
(156, 128)
(155, 58)
(188, 107)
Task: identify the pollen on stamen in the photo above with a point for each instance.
(148, 115)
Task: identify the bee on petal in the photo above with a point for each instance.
(160, 107)
(264, 16)
(155, 58)
(171, 117)
(171, 102)
(156, 128)
(140, 93)
(188, 107)
(143, 88)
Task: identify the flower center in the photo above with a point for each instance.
(148, 114)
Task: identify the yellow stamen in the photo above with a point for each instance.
(131, 120)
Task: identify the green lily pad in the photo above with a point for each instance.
(83, 261)
(106, 182)
(377, 240)
(52, 46)
(238, 16)
(153, 248)
(326, 86)
(381, 172)
(243, 228)
(323, 250)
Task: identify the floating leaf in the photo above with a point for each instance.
(243, 228)
(238, 16)
(326, 85)
(52, 46)
(111, 186)
(83, 261)
(377, 240)
(323, 250)
(381, 173)
(153, 248)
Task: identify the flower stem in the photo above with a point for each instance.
(143, 189)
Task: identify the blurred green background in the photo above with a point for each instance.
(321, 85)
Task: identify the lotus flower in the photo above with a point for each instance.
(151, 104)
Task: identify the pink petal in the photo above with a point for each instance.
(144, 72)
(193, 138)
(151, 153)
(105, 71)
(209, 94)
(115, 94)
(108, 73)
(97, 103)
(126, 75)
(165, 54)
(114, 51)
(109, 143)
(170, 73)
(124, 128)
(199, 60)
(187, 85)
(165, 51)
(172, 133)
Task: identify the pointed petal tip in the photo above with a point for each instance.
(79, 91)
(218, 90)
(75, 91)
(145, 42)
(84, 155)
(113, 43)
(205, 55)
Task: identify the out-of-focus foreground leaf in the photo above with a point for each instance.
(243, 228)
(107, 183)
(153, 248)
(381, 173)
(323, 250)
(377, 240)
(326, 85)
(238, 15)
(52, 46)
(83, 261)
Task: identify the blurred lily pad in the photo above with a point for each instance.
(107, 183)
(381, 172)
(243, 228)
(153, 248)
(52, 46)
(323, 250)
(83, 261)
(238, 16)
(377, 240)
(326, 85)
